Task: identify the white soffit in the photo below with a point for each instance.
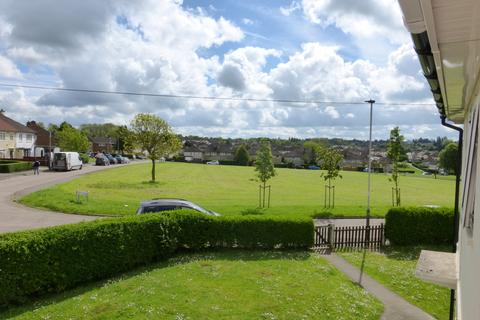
(457, 30)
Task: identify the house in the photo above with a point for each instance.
(445, 35)
(192, 153)
(103, 144)
(16, 140)
(45, 143)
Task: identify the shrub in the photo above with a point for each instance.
(84, 157)
(54, 259)
(419, 225)
(252, 211)
(7, 166)
(247, 232)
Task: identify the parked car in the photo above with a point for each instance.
(66, 161)
(313, 167)
(125, 160)
(101, 160)
(111, 158)
(118, 158)
(159, 205)
(213, 162)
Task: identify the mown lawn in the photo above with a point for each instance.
(233, 189)
(395, 268)
(216, 285)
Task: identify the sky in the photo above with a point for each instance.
(320, 50)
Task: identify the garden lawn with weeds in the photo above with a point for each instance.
(230, 284)
(234, 189)
(395, 268)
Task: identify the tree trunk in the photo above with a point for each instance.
(153, 170)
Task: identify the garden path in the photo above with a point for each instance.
(396, 308)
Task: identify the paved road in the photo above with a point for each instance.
(15, 217)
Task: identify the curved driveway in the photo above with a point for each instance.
(15, 217)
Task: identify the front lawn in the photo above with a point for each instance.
(395, 268)
(233, 189)
(216, 285)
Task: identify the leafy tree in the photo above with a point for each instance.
(71, 139)
(264, 165)
(241, 156)
(331, 159)
(448, 157)
(312, 151)
(394, 152)
(154, 135)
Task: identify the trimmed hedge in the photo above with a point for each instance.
(51, 260)
(247, 232)
(419, 225)
(7, 166)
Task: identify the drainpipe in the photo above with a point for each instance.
(456, 216)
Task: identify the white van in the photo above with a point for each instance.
(66, 161)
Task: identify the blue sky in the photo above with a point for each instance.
(326, 50)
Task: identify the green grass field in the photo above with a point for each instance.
(233, 189)
(217, 285)
(395, 268)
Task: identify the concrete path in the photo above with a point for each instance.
(340, 222)
(15, 217)
(396, 308)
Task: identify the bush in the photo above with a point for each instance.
(7, 166)
(419, 225)
(54, 259)
(247, 232)
(84, 157)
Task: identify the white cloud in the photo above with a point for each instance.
(247, 22)
(8, 69)
(155, 48)
(287, 11)
(364, 19)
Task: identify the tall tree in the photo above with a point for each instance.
(311, 152)
(71, 139)
(241, 156)
(155, 136)
(394, 152)
(264, 165)
(448, 157)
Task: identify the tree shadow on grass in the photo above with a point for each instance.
(184, 257)
(402, 253)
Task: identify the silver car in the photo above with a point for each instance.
(159, 205)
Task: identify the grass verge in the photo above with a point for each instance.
(233, 190)
(216, 285)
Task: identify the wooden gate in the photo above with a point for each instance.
(349, 237)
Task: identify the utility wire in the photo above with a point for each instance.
(160, 95)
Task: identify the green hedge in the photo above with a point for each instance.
(419, 225)
(7, 166)
(247, 232)
(50, 260)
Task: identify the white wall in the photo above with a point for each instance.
(468, 290)
(21, 141)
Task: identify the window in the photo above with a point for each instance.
(29, 137)
(11, 136)
(20, 137)
(469, 187)
(2, 135)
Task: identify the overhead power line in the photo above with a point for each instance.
(179, 96)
